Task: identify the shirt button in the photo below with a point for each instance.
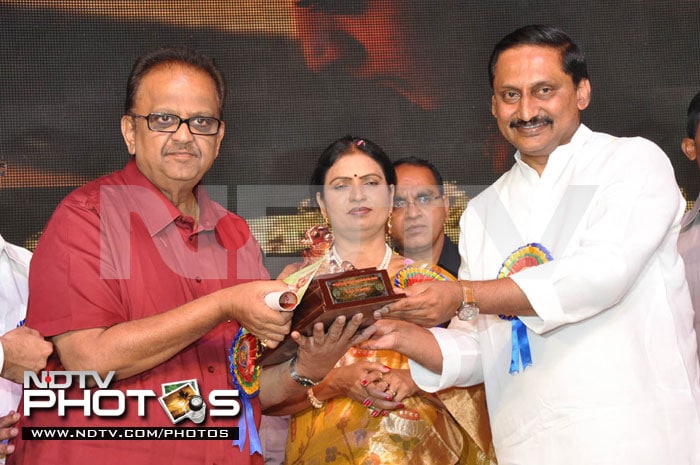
(198, 279)
(211, 369)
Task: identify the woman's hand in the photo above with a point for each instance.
(351, 380)
(376, 386)
(386, 390)
(321, 351)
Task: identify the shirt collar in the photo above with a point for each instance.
(155, 218)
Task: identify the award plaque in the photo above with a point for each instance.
(329, 296)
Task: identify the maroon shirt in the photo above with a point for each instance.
(117, 250)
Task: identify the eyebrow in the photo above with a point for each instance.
(364, 176)
(420, 193)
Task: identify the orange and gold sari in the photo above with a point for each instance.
(344, 432)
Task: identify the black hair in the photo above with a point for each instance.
(341, 147)
(693, 116)
(420, 162)
(174, 55)
(573, 60)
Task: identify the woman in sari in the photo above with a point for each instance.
(367, 409)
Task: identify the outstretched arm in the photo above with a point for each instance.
(135, 346)
(432, 303)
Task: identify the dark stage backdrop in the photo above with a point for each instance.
(407, 74)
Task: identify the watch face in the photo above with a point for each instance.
(467, 311)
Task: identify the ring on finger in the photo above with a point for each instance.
(391, 391)
(381, 376)
(263, 343)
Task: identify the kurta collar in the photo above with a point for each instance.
(561, 156)
(12, 252)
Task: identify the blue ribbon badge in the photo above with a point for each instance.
(245, 374)
(527, 256)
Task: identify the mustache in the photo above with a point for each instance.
(536, 121)
(176, 147)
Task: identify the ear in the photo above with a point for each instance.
(319, 200)
(493, 105)
(219, 138)
(688, 147)
(128, 126)
(583, 94)
(446, 204)
(392, 192)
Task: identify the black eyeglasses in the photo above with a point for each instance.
(165, 122)
(420, 201)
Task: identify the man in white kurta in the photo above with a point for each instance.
(689, 248)
(689, 237)
(578, 241)
(614, 373)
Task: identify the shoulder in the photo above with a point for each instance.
(18, 254)
(633, 150)
(88, 195)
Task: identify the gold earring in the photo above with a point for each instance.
(388, 224)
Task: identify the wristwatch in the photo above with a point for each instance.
(306, 382)
(469, 309)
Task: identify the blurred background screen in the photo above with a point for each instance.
(411, 75)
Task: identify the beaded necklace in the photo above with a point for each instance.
(382, 266)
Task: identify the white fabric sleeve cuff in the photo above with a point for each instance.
(544, 300)
(461, 365)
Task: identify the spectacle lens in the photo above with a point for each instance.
(165, 122)
(421, 201)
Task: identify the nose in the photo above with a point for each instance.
(528, 107)
(412, 210)
(357, 193)
(183, 133)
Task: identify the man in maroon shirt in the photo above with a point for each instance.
(141, 274)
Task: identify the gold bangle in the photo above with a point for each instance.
(313, 400)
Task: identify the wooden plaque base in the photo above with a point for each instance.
(329, 296)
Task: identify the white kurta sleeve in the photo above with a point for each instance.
(461, 364)
(635, 205)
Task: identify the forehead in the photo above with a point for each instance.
(414, 176)
(527, 63)
(176, 81)
(354, 163)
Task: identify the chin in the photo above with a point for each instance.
(419, 246)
